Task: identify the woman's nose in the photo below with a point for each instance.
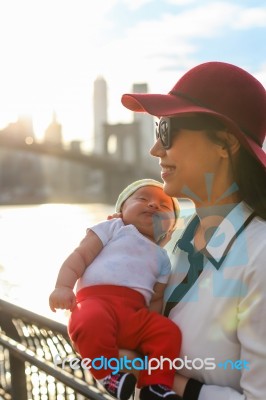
(157, 149)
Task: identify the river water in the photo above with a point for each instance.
(34, 241)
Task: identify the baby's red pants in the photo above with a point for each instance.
(108, 318)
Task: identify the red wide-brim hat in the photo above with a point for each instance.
(220, 89)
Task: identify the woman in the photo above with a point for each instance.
(209, 143)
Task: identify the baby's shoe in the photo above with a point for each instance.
(157, 392)
(120, 386)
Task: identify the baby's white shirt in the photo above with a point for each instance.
(127, 259)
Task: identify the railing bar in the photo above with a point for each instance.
(60, 338)
(24, 354)
(29, 316)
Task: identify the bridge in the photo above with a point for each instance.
(113, 173)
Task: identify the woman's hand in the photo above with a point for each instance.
(180, 381)
(179, 386)
(115, 215)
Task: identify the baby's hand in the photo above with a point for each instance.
(115, 215)
(166, 238)
(62, 297)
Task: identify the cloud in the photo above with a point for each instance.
(251, 18)
(160, 49)
(52, 50)
(136, 4)
(260, 74)
(182, 2)
(178, 34)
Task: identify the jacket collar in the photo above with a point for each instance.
(226, 233)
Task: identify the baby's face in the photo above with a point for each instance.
(150, 210)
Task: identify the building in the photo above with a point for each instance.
(130, 142)
(53, 133)
(100, 116)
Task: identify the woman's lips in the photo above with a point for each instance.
(166, 170)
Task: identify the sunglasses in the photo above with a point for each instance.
(167, 127)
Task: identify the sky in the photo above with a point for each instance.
(51, 52)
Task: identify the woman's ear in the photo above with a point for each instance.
(229, 143)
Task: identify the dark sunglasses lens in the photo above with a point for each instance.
(157, 133)
(164, 132)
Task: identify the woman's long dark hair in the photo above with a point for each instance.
(250, 176)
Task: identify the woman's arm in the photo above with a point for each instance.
(251, 333)
(156, 303)
(72, 269)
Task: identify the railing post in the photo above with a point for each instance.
(17, 366)
(18, 379)
(29, 341)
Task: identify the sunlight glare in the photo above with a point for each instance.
(43, 45)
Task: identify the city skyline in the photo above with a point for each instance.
(53, 51)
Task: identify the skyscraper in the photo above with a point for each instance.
(99, 113)
(146, 123)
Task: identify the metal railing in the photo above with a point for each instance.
(29, 344)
